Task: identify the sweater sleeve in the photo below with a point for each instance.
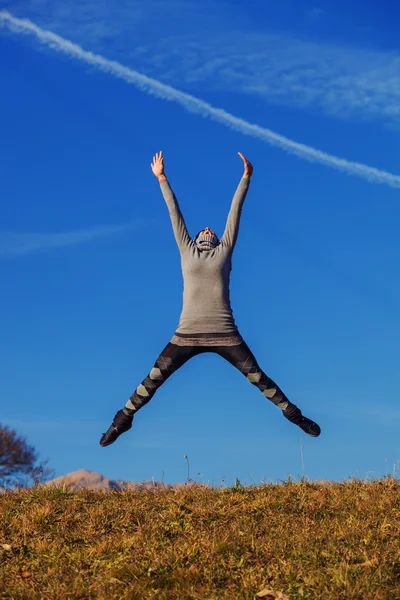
(232, 224)
(181, 234)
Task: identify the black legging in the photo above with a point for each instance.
(174, 356)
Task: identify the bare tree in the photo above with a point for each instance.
(19, 462)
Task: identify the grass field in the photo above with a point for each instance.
(297, 539)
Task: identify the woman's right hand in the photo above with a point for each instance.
(157, 166)
(248, 167)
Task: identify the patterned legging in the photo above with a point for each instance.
(174, 356)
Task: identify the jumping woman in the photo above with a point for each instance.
(206, 323)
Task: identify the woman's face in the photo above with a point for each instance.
(206, 239)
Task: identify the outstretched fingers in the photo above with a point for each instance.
(158, 159)
(157, 165)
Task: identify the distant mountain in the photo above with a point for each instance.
(94, 481)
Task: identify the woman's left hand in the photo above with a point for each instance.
(248, 167)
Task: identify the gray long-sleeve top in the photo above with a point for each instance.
(206, 274)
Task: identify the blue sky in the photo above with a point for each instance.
(91, 281)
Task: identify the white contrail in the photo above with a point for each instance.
(14, 243)
(193, 104)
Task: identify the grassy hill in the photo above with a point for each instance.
(297, 539)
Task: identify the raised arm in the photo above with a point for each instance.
(232, 224)
(178, 224)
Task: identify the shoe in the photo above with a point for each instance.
(294, 415)
(120, 424)
(310, 427)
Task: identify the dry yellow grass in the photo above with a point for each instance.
(305, 541)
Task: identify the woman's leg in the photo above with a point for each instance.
(242, 358)
(169, 361)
